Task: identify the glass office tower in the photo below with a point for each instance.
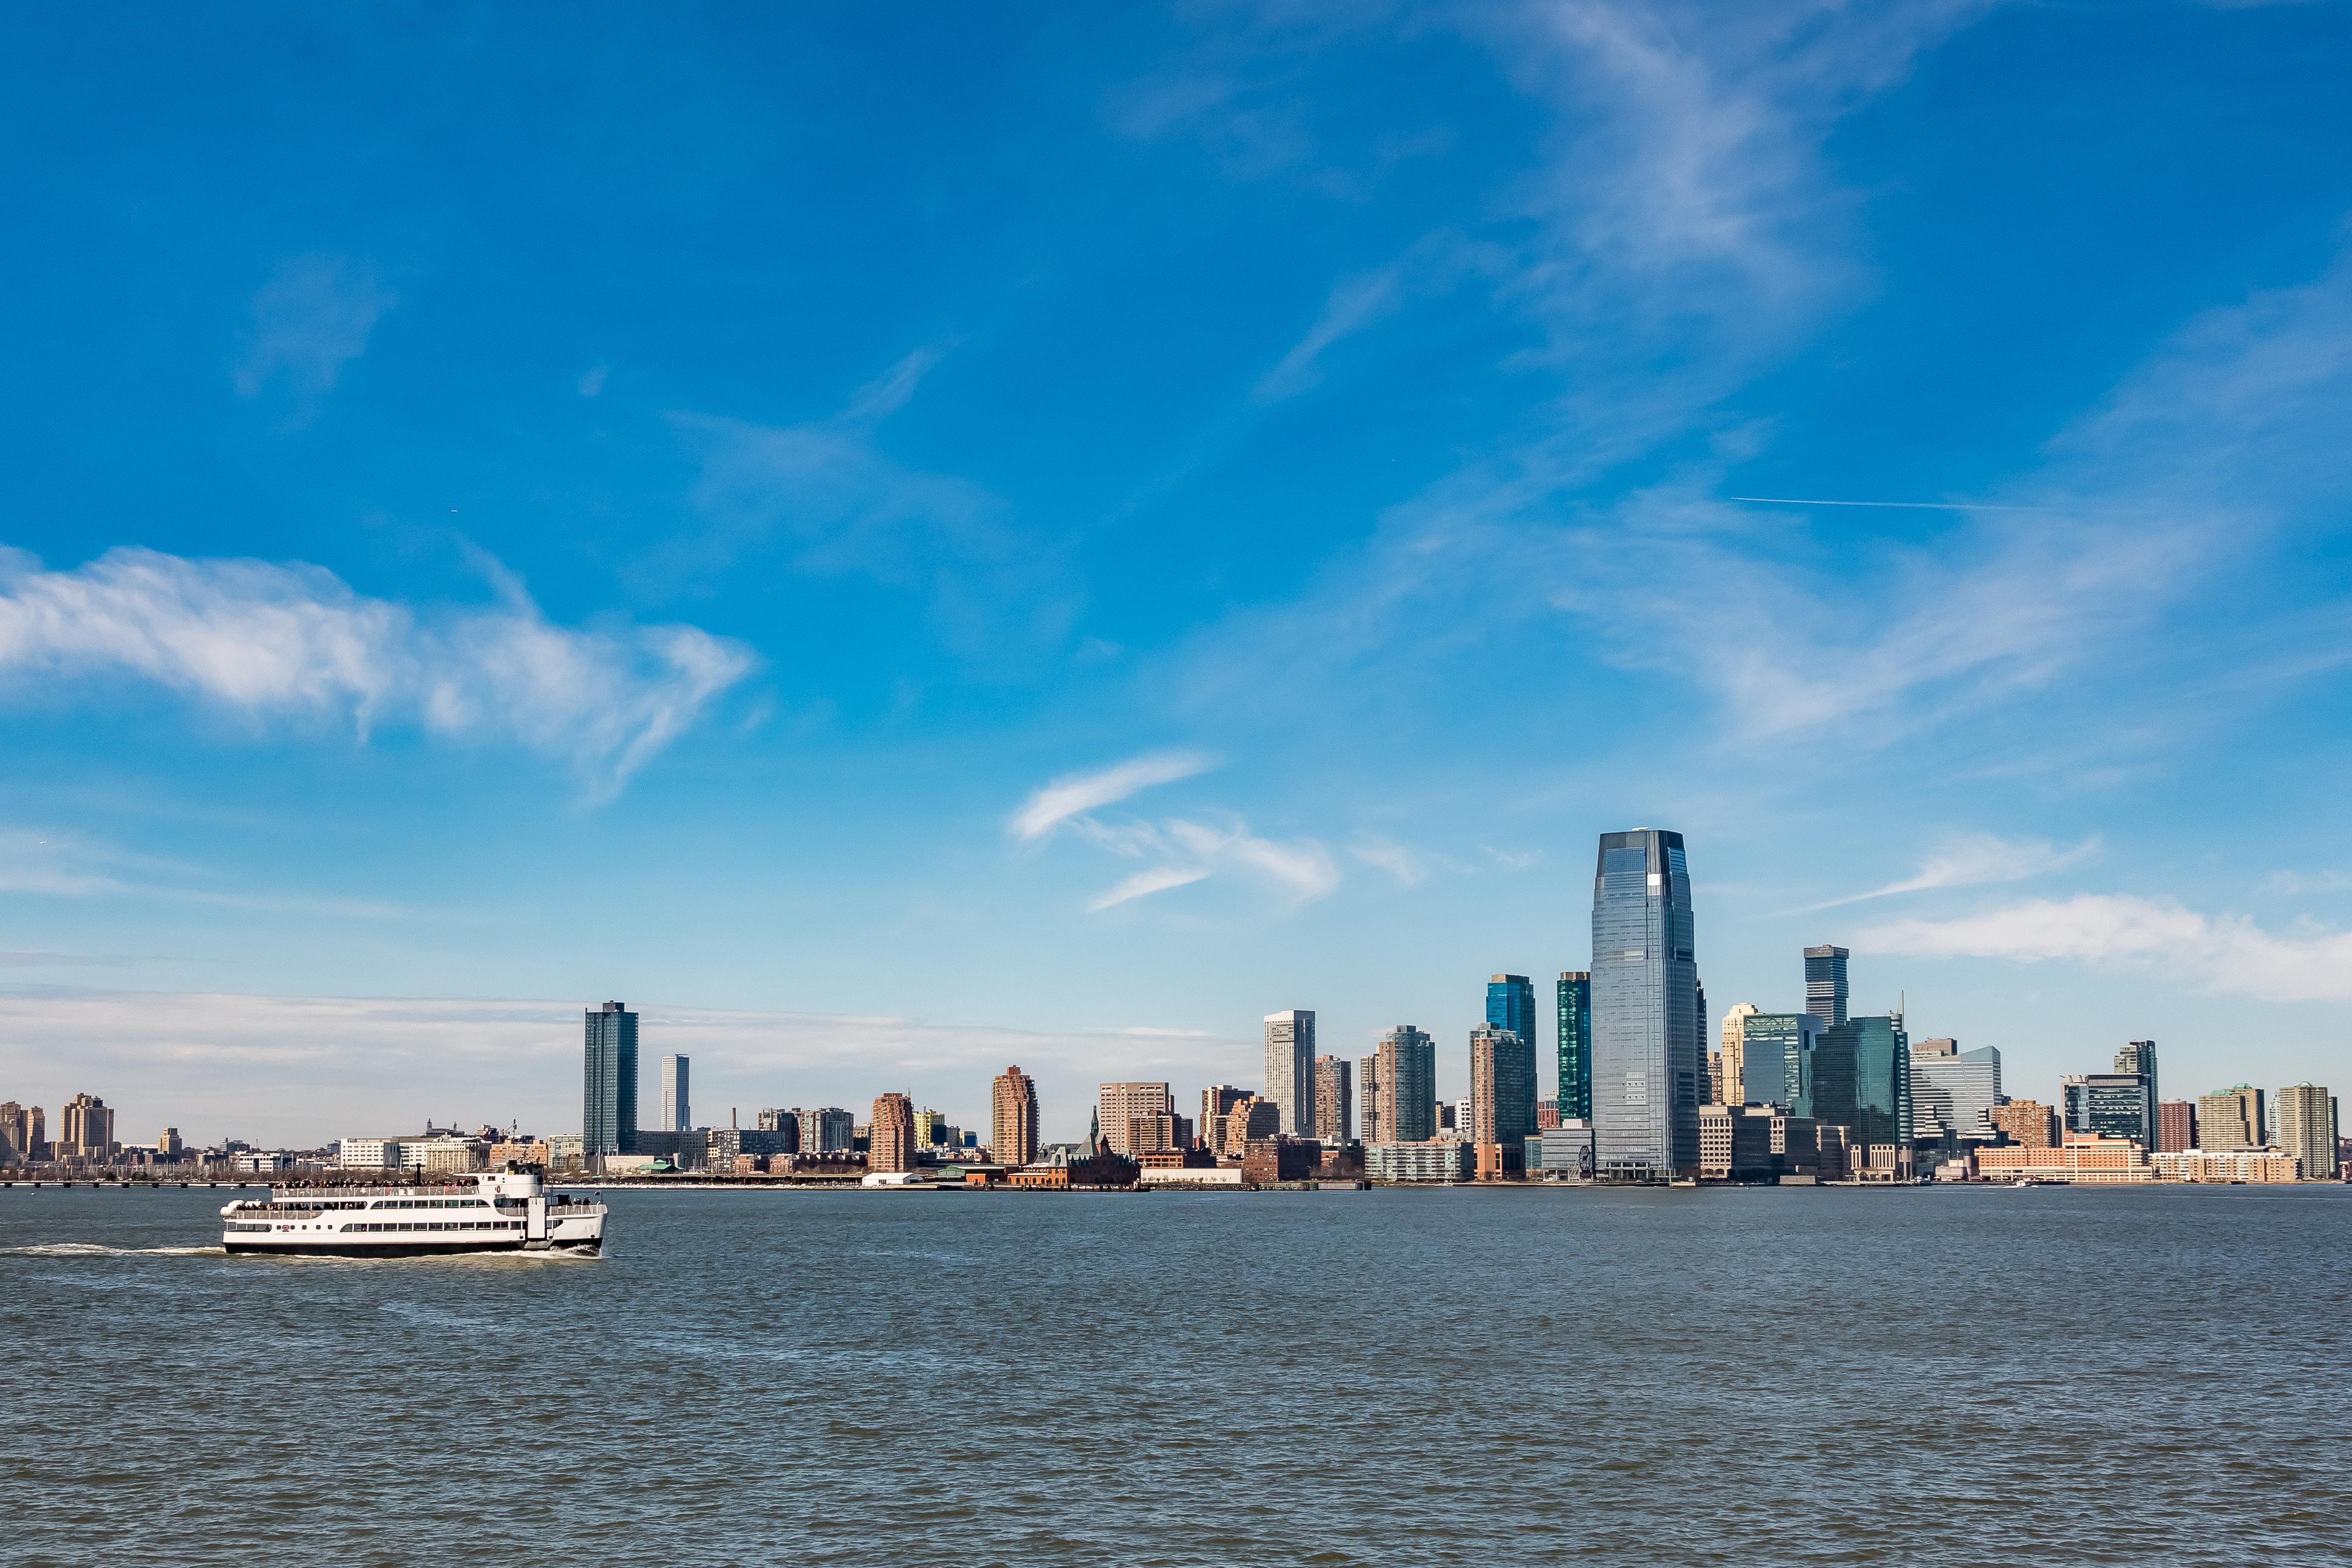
(1776, 1063)
(1862, 1078)
(1825, 984)
(1511, 1004)
(2139, 1058)
(2111, 1104)
(1576, 1046)
(608, 1099)
(1646, 1059)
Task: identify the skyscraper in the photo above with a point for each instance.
(1825, 984)
(891, 1136)
(2176, 1126)
(1511, 1004)
(608, 1101)
(1645, 1024)
(1502, 1090)
(2231, 1119)
(2113, 1104)
(1406, 1066)
(1334, 1101)
(85, 1128)
(1012, 1118)
(2307, 1129)
(1735, 1053)
(2139, 1058)
(1776, 1059)
(1369, 1096)
(1119, 1104)
(1953, 1088)
(1575, 1043)
(678, 1116)
(1862, 1078)
(1217, 1103)
(1290, 1068)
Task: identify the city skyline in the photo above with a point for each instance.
(701, 533)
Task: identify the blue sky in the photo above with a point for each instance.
(904, 538)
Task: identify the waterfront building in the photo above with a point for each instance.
(1575, 1046)
(1406, 1066)
(1646, 1023)
(169, 1145)
(2029, 1123)
(1435, 1160)
(1825, 994)
(1334, 1099)
(772, 1118)
(2307, 1129)
(1953, 1091)
(828, 1130)
(1290, 1068)
(608, 1105)
(368, 1154)
(2176, 1125)
(1119, 1104)
(2139, 1058)
(1862, 1078)
(931, 1129)
(1012, 1118)
(1502, 1090)
(2262, 1167)
(85, 1128)
(890, 1135)
(1217, 1103)
(566, 1151)
(1546, 1115)
(1367, 1094)
(1777, 1060)
(1266, 1160)
(1734, 1142)
(1511, 1004)
(1560, 1153)
(1735, 1054)
(2111, 1104)
(2231, 1119)
(677, 1115)
(1254, 1116)
(2080, 1157)
(1158, 1134)
(22, 1132)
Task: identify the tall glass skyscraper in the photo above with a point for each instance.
(1776, 1063)
(1290, 1068)
(2139, 1058)
(1511, 1004)
(608, 1098)
(1825, 984)
(1646, 1059)
(1576, 1046)
(678, 1110)
(1862, 1078)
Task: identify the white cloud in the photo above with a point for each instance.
(1302, 869)
(267, 640)
(1977, 858)
(1067, 797)
(311, 319)
(1143, 883)
(2225, 952)
(1409, 867)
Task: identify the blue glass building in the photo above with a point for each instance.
(608, 1098)
(1646, 1060)
(1862, 1078)
(1776, 1061)
(1576, 1046)
(1511, 1004)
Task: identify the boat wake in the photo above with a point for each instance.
(96, 1249)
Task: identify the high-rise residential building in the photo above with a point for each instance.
(2029, 1123)
(2111, 1104)
(1645, 1024)
(1953, 1089)
(1156, 1134)
(1825, 984)
(2307, 1129)
(608, 1099)
(1217, 1103)
(85, 1128)
(1253, 1119)
(2231, 1119)
(1715, 1083)
(1575, 1046)
(2139, 1058)
(890, 1135)
(1290, 1068)
(1735, 1053)
(678, 1116)
(22, 1130)
(169, 1145)
(1369, 1095)
(1118, 1104)
(2176, 1126)
(1776, 1063)
(827, 1129)
(1012, 1118)
(931, 1129)
(1503, 1089)
(1862, 1080)
(1406, 1067)
(1511, 1004)
(1334, 1099)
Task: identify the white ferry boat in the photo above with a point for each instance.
(511, 1211)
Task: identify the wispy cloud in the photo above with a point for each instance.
(272, 641)
(1975, 859)
(1067, 797)
(309, 321)
(1299, 870)
(1144, 883)
(2222, 952)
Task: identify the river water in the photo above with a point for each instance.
(1734, 1377)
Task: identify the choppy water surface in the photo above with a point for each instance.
(1707, 1377)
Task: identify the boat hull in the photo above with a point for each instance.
(406, 1248)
